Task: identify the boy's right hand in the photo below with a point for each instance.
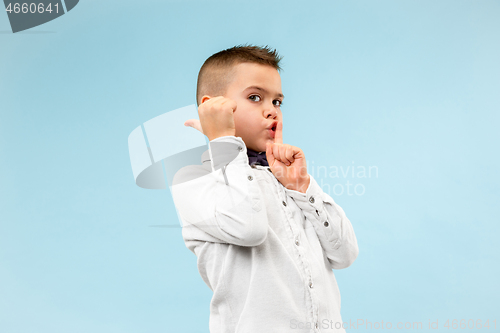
(216, 117)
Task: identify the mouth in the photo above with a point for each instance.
(273, 126)
(272, 129)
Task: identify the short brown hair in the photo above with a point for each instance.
(216, 72)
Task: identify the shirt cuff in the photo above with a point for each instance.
(313, 204)
(311, 200)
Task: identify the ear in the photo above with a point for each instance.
(205, 98)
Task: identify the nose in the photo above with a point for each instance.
(271, 113)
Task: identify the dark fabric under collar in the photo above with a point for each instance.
(259, 158)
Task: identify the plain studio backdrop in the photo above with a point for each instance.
(408, 90)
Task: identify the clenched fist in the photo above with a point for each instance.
(287, 163)
(216, 117)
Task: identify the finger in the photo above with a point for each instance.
(194, 123)
(276, 152)
(278, 137)
(227, 104)
(283, 154)
(189, 122)
(232, 104)
(269, 154)
(289, 153)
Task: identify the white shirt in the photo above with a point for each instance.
(265, 251)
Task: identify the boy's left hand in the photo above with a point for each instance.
(287, 163)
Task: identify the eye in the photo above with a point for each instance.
(277, 102)
(256, 96)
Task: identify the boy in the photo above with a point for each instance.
(265, 234)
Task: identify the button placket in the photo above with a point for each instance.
(315, 206)
(303, 259)
(305, 264)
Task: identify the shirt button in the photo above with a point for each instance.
(326, 224)
(311, 199)
(310, 284)
(240, 148)
(316, 325)
(284, 203)
(250, 177)
(297, 242)
(252, 166)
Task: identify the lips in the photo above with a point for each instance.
(272, 129)
(273, 125)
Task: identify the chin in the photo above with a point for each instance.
(263, 146)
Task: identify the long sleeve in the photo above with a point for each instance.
(331, 224)
(222, 198)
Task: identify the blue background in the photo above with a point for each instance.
(411, 87)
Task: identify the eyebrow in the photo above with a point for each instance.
(264, 91)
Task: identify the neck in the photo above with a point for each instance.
(254, 150)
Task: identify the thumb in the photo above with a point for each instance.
(194, 123)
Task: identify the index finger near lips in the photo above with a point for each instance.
(278, 137)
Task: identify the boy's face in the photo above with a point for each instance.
(256, 89)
